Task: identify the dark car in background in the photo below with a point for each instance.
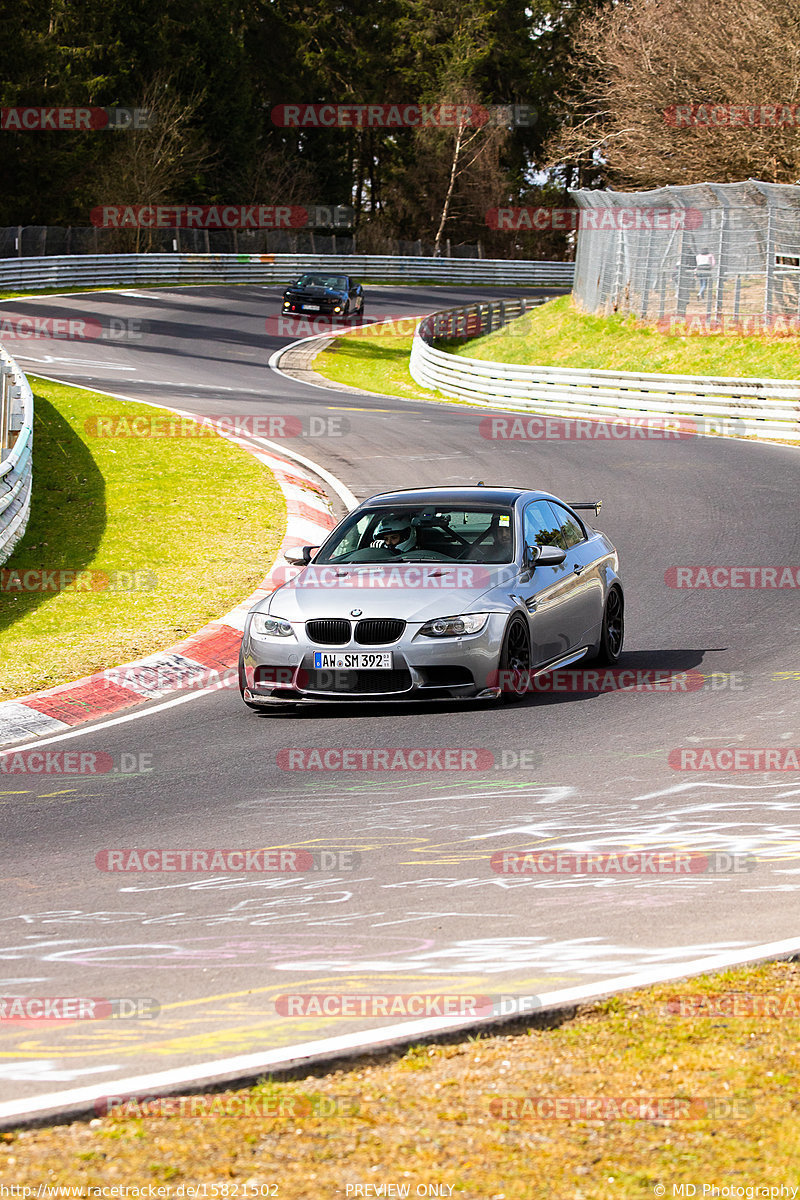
(324, 292)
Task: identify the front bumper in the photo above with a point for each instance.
(314, 305)
(423, 668)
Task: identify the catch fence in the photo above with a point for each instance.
(717, 257)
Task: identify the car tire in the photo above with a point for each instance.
(515, 660)
(612, 633)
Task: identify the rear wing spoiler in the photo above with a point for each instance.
(595, 505)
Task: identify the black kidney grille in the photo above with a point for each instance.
(379, 631)
(330, 632)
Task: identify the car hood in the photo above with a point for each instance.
(314, 290)
(416, 591)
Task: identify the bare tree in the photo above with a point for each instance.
(153, 165)
(465, 156)
(277, 176)
(457, 173)
(654, 80)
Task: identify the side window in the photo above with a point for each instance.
(540, 527)
(353, 537)
(570, 530)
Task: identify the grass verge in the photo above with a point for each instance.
(169, 532)
(374, 362)
(557, 334)
(439, 1113)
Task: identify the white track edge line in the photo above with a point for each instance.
(333, 1047)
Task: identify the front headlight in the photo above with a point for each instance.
(454, 626)
(263, 625)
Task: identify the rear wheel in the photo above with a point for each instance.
(515, 661)
(612, 634)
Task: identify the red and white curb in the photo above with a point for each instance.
(207, 658)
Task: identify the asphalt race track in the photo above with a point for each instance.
(415, 906)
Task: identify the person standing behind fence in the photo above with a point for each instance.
(703, 262)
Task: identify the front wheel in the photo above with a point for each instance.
(515, 661)
(613, 632)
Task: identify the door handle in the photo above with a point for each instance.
(579, 569)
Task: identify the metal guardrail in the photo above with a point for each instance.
(122, 270)
(760, 408)
(16, 453)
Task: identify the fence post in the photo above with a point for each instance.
(769, 281)
(4, 409)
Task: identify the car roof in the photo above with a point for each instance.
(456, 494)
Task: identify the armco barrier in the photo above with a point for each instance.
(122, 270)
(16, 453)
(760, 408)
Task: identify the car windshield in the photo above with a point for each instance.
(336, 282)
(429, 533)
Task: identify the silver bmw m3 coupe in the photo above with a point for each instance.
(437, 594)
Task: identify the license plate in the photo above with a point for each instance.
(310, 308)
(381, 661)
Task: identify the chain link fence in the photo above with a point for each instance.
(705, 256)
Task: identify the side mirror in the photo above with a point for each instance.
(543, 556)
(303, 558)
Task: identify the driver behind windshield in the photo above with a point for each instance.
(395, 534)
